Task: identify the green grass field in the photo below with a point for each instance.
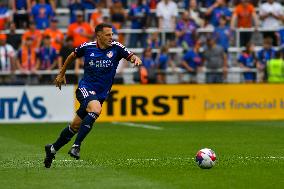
(250, 155)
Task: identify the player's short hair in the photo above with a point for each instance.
(101, 27)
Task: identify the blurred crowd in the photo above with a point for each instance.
(43, 45)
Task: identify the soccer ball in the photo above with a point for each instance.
(205, 158)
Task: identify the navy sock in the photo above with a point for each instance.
(65, 136)
(86, 126)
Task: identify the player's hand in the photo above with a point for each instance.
(59, 80)
(136, 60)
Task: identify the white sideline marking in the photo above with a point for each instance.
(68, 160)
(261, 157)
(138, 125)
(185, 159)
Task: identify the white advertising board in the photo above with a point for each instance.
(36, 104)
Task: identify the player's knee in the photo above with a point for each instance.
(94, 107)
(75, 126)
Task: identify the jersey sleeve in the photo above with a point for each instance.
(123, 51)
(79, 51)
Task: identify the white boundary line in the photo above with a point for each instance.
(68, 160)
(180, 158)
(138, 125)
(261, 157)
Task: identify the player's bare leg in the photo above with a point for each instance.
(94, 109)
(75, 125)
(65, 136)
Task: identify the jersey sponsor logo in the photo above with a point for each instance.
(15, 108)
(101, 63)
(109, 54)
(92, 54)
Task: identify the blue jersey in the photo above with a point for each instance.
(248, 60)
(217, 13)
(163, 61)
(148, 63)
(222, 35)
(193, 59)
(42, 13)
(140, 12)
(21, 4)
(100, 66)
(48, 56)
(266, 54)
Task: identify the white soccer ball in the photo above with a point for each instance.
(205, 158)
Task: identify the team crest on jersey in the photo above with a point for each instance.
(109, 54)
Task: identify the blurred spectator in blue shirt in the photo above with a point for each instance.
(89, 4)
(163, 61)
(217, 10)
(42, 13)
(48, 59)
(147, 59)
(21, 10)
(186, 31)
(191, 61)
(154, 41)
(47, 55)
(138, 15)
(247, 61)
(150, 65)
(264, 55)
(223, 34)
(74, 6)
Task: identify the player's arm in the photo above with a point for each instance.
(135, 60)
(128, 55)
(61, 76)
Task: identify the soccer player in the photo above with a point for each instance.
(101, 59)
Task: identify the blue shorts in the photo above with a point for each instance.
(84, 96)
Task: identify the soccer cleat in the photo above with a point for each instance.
(75, 152)
(50, 156)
